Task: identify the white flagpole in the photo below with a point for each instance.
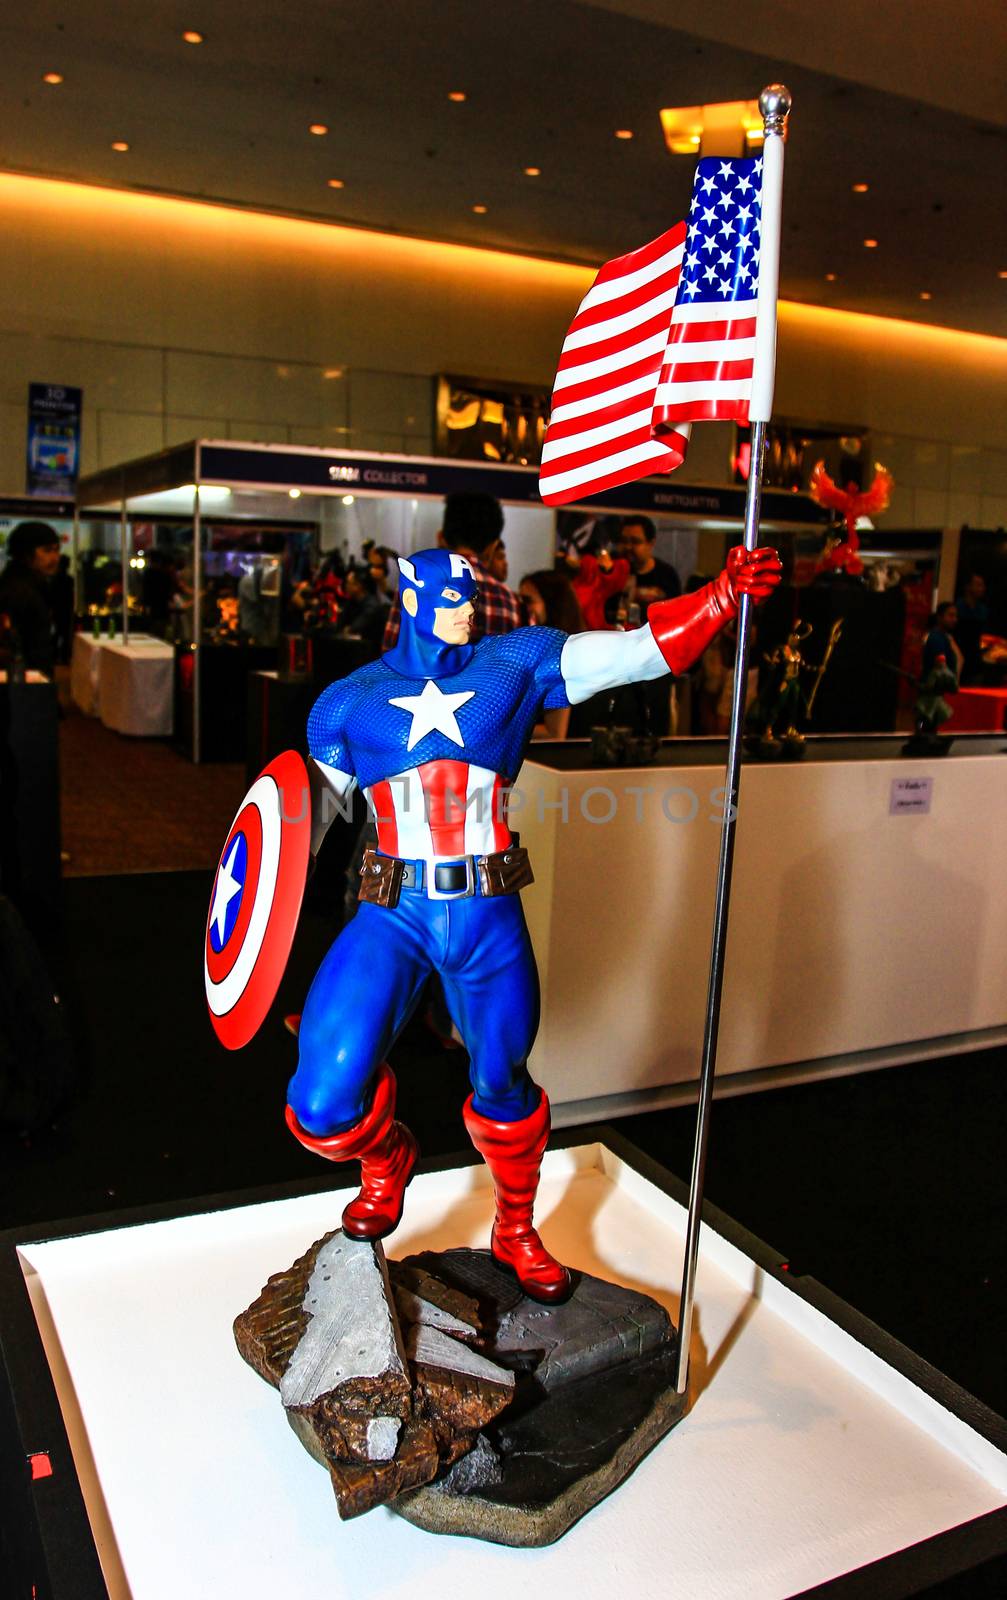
(774, 103)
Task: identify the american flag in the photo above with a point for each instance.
(664, 337)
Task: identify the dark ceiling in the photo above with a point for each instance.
(547, 84)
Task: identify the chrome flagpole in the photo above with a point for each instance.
(774, 103)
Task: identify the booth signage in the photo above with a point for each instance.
(53, 439)
(268, 469)
(911, 795)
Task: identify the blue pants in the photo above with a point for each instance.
(371, 979)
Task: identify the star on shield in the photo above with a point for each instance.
(229, 884)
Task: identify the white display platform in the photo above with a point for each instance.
(804, 1455)
(129, 686)
(855, 928)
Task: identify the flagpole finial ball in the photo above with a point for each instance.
(774, 103)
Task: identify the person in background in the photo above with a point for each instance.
(157, 588)
(941, 641)
(61, 596)
(973, 622)
(365, 608)
(379, 559)
(652, 579)
(472, 527)
(32, 563)
(550, 602)
(499, 567)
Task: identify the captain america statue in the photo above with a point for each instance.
(434, 733)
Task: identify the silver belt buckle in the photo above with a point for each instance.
(430, 874)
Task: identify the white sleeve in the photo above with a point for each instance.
(331, 792)
(591, 662)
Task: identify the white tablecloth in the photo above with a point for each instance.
(129, 686)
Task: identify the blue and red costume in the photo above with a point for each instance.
(434, 733)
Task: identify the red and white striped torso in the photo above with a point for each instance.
(440, 811)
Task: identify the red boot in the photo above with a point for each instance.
(387, 1153)
(513, 1153)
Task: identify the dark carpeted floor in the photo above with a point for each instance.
(887, 1187)
(139, 805)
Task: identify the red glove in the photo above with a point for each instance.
(752, 572)
(684, 627)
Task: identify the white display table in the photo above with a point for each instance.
(856, 929)
(808, 1451)
(129, 686)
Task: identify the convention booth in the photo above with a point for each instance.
(219, 496)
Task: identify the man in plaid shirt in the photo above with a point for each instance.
(472, 527)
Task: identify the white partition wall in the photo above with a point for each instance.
(853, 927)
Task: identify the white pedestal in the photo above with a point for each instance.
(804, 1455)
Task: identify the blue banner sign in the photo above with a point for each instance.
(53, 439)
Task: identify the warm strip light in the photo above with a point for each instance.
(318, 128)
(192, 37)
(457, 95)
(120, 145)
(52, 77)
(336, 183)
(58, 205)
(533, 172)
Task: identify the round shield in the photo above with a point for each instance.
(256, 900)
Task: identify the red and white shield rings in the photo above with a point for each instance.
(256, 900)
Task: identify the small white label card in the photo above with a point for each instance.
(910, 795)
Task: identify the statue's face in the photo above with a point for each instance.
(438, 591)
(453, 620)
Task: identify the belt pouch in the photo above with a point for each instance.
(380, 879)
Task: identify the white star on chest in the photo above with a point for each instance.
(227, 887)
(433, 712)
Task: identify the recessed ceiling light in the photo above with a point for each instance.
(336, 183)
(480, 211)
(120, 145)
(348, 499)
(860, 188)
(457, 95)
(318, 128)
(830, 277)
(870, 244)
(333, 372)
(533, 172)
(192, 37)
(925, 294)
(52, 77)
(1002, 274)
(295, 494)
(624, 133)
